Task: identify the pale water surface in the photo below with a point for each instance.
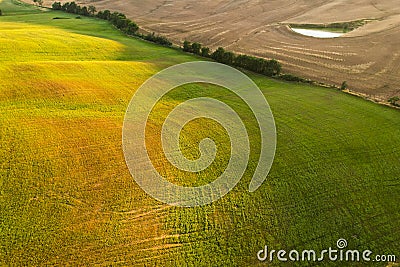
(317, 33)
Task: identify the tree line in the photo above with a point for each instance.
(259, 65)
(74, 8)
(119, 20)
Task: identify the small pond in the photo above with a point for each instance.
(317, 33)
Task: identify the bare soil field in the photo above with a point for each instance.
(368, 58)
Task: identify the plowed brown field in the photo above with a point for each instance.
(368, 58)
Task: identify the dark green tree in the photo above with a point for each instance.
(106, 14)
(271, 68)
(65, 7)
(92, 10)
(393, 101)
(78, 10)
(196, 48)
(132, 28)
(228, 58)
(205, 52)
(259, 65)
(218, 54)
(158, 39)
(84, 11)
(115, 17)
(343, 86)
(276, 66)
(121, 23)
(56, 6)
(187, 47)
(72, 8)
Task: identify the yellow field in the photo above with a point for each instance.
(25, 42)
(61, 121)
(101, 82)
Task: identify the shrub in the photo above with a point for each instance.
(218, 54)
(56, 6)
(196, 48)
(158, 39)
(38, 2)
(394, 101)
(291, 78)
(105, 14)
(205, 52)
(132, 28)
(343, 86)
(187, 47)
(92, 10)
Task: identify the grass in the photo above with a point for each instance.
(67, 198)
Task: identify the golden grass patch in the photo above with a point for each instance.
(27, 42)
(111, 82)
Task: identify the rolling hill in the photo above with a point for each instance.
(367, 58)
(67, 197)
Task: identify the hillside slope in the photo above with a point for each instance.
(67, 197)
(367, 58)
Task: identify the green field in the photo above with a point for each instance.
(67, 197)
